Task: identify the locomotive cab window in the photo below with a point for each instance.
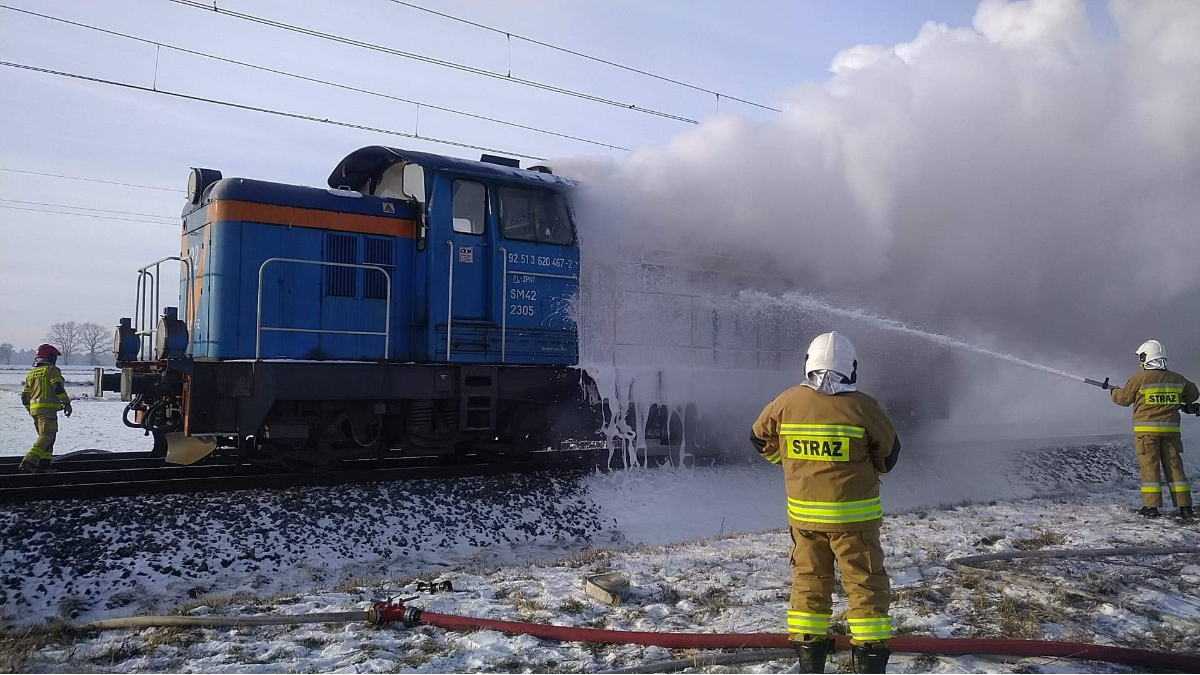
(469, 205)
(535, 215)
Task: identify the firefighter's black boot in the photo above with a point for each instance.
(869, 659)
(1186, 513)
(1149, 512)
(811, 655)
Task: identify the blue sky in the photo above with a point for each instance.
(56, 267)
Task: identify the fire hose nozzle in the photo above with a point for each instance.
(1102, 385)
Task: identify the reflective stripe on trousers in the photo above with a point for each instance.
(835, 512)
(807, 623)
(871, 629)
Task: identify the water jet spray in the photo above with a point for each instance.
(807, 302)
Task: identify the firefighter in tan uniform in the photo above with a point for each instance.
(833, 443)
(43, 395)
(1157, 396)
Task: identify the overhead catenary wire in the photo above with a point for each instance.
(269, 111)
(433, 61)
(83, 215)
(510, 35)
(90, 180)
(315, 80)
(88, 208)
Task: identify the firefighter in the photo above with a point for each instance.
(1157, 396)
(43, 396)
(833, 443)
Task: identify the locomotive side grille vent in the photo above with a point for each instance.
(340, 281)
(377, 252)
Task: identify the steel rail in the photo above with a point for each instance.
(229, 478)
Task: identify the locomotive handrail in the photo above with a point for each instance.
(449, 298)
(149, 298)
(259, 328)
(503, 303)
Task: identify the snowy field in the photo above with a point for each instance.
(734, 583)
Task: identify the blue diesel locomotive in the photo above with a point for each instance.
(421, 304)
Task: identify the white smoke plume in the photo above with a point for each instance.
(1022, 179)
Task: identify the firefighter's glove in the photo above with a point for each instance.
(67, 410)
(1190, 408)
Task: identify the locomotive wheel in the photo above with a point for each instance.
(523, 430)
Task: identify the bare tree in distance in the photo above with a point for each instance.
(6, 351)
(94, 339)
(65, 336)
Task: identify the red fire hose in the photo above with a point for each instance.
(383, 613)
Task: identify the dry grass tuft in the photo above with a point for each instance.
(17, 645)
(1042, 539)
(218, 602)
(571, 606)
(589, 557)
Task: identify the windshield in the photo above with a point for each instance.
(535, 215)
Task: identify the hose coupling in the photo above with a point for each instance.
(385, 612)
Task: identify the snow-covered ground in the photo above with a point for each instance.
(520, 546)
(735, 583)
(88, 559)
(96, 423)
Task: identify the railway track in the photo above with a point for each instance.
(89, 461)
(125, 474)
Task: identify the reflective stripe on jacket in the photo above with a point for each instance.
(1155, 396)
(833, 449)
(44, 390)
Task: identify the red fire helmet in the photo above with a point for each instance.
(46, 351)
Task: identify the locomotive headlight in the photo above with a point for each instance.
(125, 342)
(198, 182)
(171, 337)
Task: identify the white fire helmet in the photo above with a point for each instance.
(1151, 350)
(830, 351)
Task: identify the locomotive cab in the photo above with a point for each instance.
(496, 257)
